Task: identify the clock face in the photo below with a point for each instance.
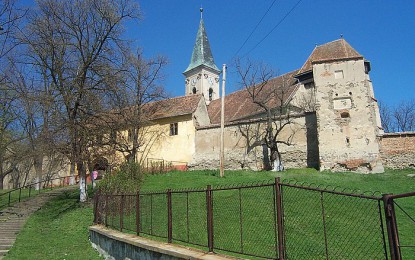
(194, 80)
(210, 80)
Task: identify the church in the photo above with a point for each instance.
(334, 122)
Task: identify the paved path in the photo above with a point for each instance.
(12, 219)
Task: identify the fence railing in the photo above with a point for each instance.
(401, 215)
(155, 165)
(271, 220)
(10, 197)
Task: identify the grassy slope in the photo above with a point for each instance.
(389, 182)
(58, 231)
(359, 211)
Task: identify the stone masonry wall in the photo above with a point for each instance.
(243, 149)
(398, 150)
(346, 117)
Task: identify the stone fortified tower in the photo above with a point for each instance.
(347, 112)
(202, 75)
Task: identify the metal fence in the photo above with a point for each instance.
(156, 166)
(8, 198)
(271, 220)
(400, 214)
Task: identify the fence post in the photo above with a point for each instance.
(107, 209)
(209, 209)
(391, 227)
(169, 217)
(20, 194)
(280, 224)
(137, 213)
(9, 198)
(96, 207)
(122, 212)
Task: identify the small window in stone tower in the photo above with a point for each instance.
(194, 90)
(210, 94)
(345, 115)
(338, 74)
(174, 129)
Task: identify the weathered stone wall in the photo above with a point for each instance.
(398, 150)
(347, 117)
(244, 149)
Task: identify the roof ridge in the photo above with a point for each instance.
(243, 89)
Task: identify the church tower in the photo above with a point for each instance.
(202, 75)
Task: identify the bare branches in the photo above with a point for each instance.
(10, 18)
(273, 96)
(400, 118)
(143, 84)
(78, 52)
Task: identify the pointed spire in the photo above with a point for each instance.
(202, 55)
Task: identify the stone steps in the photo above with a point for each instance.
(13, 218)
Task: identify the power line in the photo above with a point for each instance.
(275, 27)
(252, 32)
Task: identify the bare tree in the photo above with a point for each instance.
(143, 81)
(386, 117)
(272, 97)
(78, 46)
(404, 116)
(399, 118)
(10, 19)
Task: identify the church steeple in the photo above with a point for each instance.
(202, 74)
(202, 55)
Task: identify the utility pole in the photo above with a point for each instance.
(222, 123)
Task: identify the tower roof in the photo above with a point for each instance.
(202, 55)
(332, 51)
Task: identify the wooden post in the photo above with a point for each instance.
(222, 123)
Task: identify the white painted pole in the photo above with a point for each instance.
(222, 123)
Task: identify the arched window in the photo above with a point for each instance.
(210, 94)
(194, 90)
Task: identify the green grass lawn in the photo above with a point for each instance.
(392, 181)
(352, 224)
(58, 231)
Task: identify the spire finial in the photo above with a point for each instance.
(201, 12)
(341, 36)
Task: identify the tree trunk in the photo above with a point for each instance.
(72, 174)
(266, 161)
(38, 164)
(276, 160)
(82, 182)
(1, 181)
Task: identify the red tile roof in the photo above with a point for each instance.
(172, 107)
(335, 50)
(239, 105)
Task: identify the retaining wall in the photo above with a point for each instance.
(113, 244)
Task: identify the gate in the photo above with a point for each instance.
(400, 218)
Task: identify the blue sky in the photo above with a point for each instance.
(382, 31)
